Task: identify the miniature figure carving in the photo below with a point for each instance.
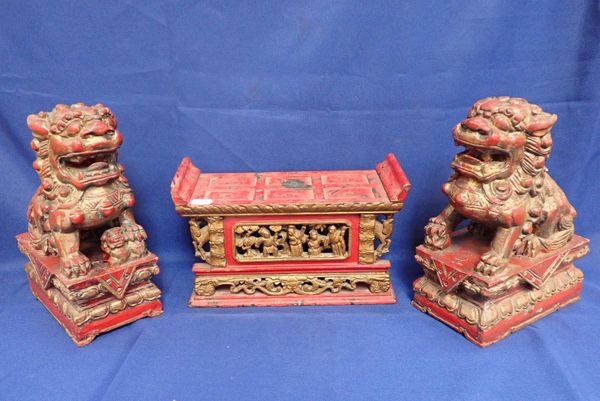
(82, 186)
(207, 238)
(277, 241)
(247, 241)
(268, 243)
(502, 186)
(336, 240)
(296, 239)
(383, 232)
(315, 242)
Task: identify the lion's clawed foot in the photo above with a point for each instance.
(76, 264)
(491, 263)
(528, 245)
(436, 234)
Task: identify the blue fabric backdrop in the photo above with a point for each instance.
(284, 85)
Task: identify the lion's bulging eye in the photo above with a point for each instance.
(502, 123)
(74, 127)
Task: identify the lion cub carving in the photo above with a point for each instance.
(83, 191)
(501, 184)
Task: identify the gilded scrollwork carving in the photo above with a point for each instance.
(89, 293)
(287, 241)
(216, 240)
(302, 284)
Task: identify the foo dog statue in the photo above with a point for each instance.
(82, 189)
(88, 262)
(513, 264)
(502, 186)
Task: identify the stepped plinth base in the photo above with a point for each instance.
(508, 315)
(486, 309)
(102, 300)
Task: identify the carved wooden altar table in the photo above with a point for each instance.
(291, 238)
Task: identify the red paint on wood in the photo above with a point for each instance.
(394, 180)
(387, 183)
(297, 198)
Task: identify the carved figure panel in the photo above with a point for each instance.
(297, 241)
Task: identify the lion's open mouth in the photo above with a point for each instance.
(482, 163)
(87, 167)
(478, 156)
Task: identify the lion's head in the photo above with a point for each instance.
(76, 145)
(501, 133)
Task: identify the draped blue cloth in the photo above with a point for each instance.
(295, 85)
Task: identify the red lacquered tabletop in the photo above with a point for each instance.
(289, 187)
(386, 185)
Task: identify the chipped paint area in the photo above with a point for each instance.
(295, 183)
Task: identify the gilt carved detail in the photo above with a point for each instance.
(297, 241)
(208, 239)
(294, 283)
(375, 234)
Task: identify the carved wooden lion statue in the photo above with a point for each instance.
(83, 190)
(501, 184)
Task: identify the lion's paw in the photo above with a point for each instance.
(490, 264)
(76, 264)
(529, 245)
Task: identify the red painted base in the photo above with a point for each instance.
(223, 298)
(85, 334)
(488, 308)
(102, 300)
(506, 326)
